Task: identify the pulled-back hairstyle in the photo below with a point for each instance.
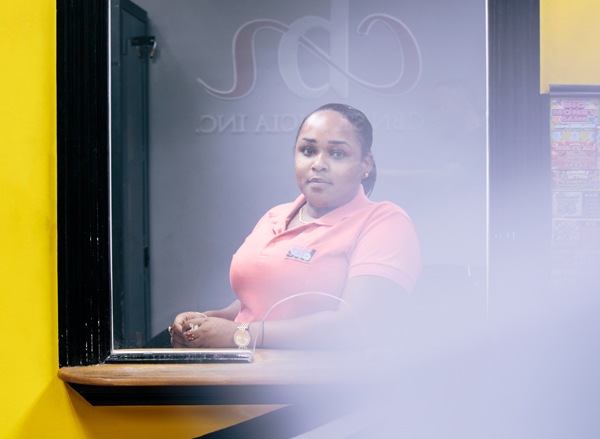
(364, 130)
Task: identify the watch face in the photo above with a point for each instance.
(241, 338)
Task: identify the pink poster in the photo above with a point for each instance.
(575, 162)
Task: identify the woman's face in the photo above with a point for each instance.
(328, 161)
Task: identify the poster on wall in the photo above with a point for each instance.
(575, 161)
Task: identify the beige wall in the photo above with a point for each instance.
(33, 402)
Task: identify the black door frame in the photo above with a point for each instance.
(517, 172)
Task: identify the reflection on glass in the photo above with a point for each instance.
(226, 91)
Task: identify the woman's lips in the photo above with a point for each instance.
(318, 180)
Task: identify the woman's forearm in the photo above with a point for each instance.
(369, 317)
(322, 330)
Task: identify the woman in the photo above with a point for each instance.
(331, 242)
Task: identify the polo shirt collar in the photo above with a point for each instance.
(280, 218)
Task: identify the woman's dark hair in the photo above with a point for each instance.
(364, 130)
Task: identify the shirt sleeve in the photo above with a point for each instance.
(388, 247)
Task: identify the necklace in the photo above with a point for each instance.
(300, 218)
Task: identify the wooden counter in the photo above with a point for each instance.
(273, 377)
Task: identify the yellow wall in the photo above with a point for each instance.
(570, 36)
(33, 402)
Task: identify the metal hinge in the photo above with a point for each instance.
(140, 43)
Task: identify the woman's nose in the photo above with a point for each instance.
(320, 163)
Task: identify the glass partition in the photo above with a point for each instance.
(209, 150)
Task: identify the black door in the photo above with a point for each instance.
(130, 50)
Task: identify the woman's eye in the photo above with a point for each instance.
(338, 155)
(307, 150)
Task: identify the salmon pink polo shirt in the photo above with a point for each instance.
(361, 237)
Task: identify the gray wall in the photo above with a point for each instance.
(219, 162)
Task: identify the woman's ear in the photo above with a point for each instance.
(367, 164)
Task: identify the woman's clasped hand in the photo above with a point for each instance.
(197, 330)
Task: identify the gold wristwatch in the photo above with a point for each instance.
(242, 336)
